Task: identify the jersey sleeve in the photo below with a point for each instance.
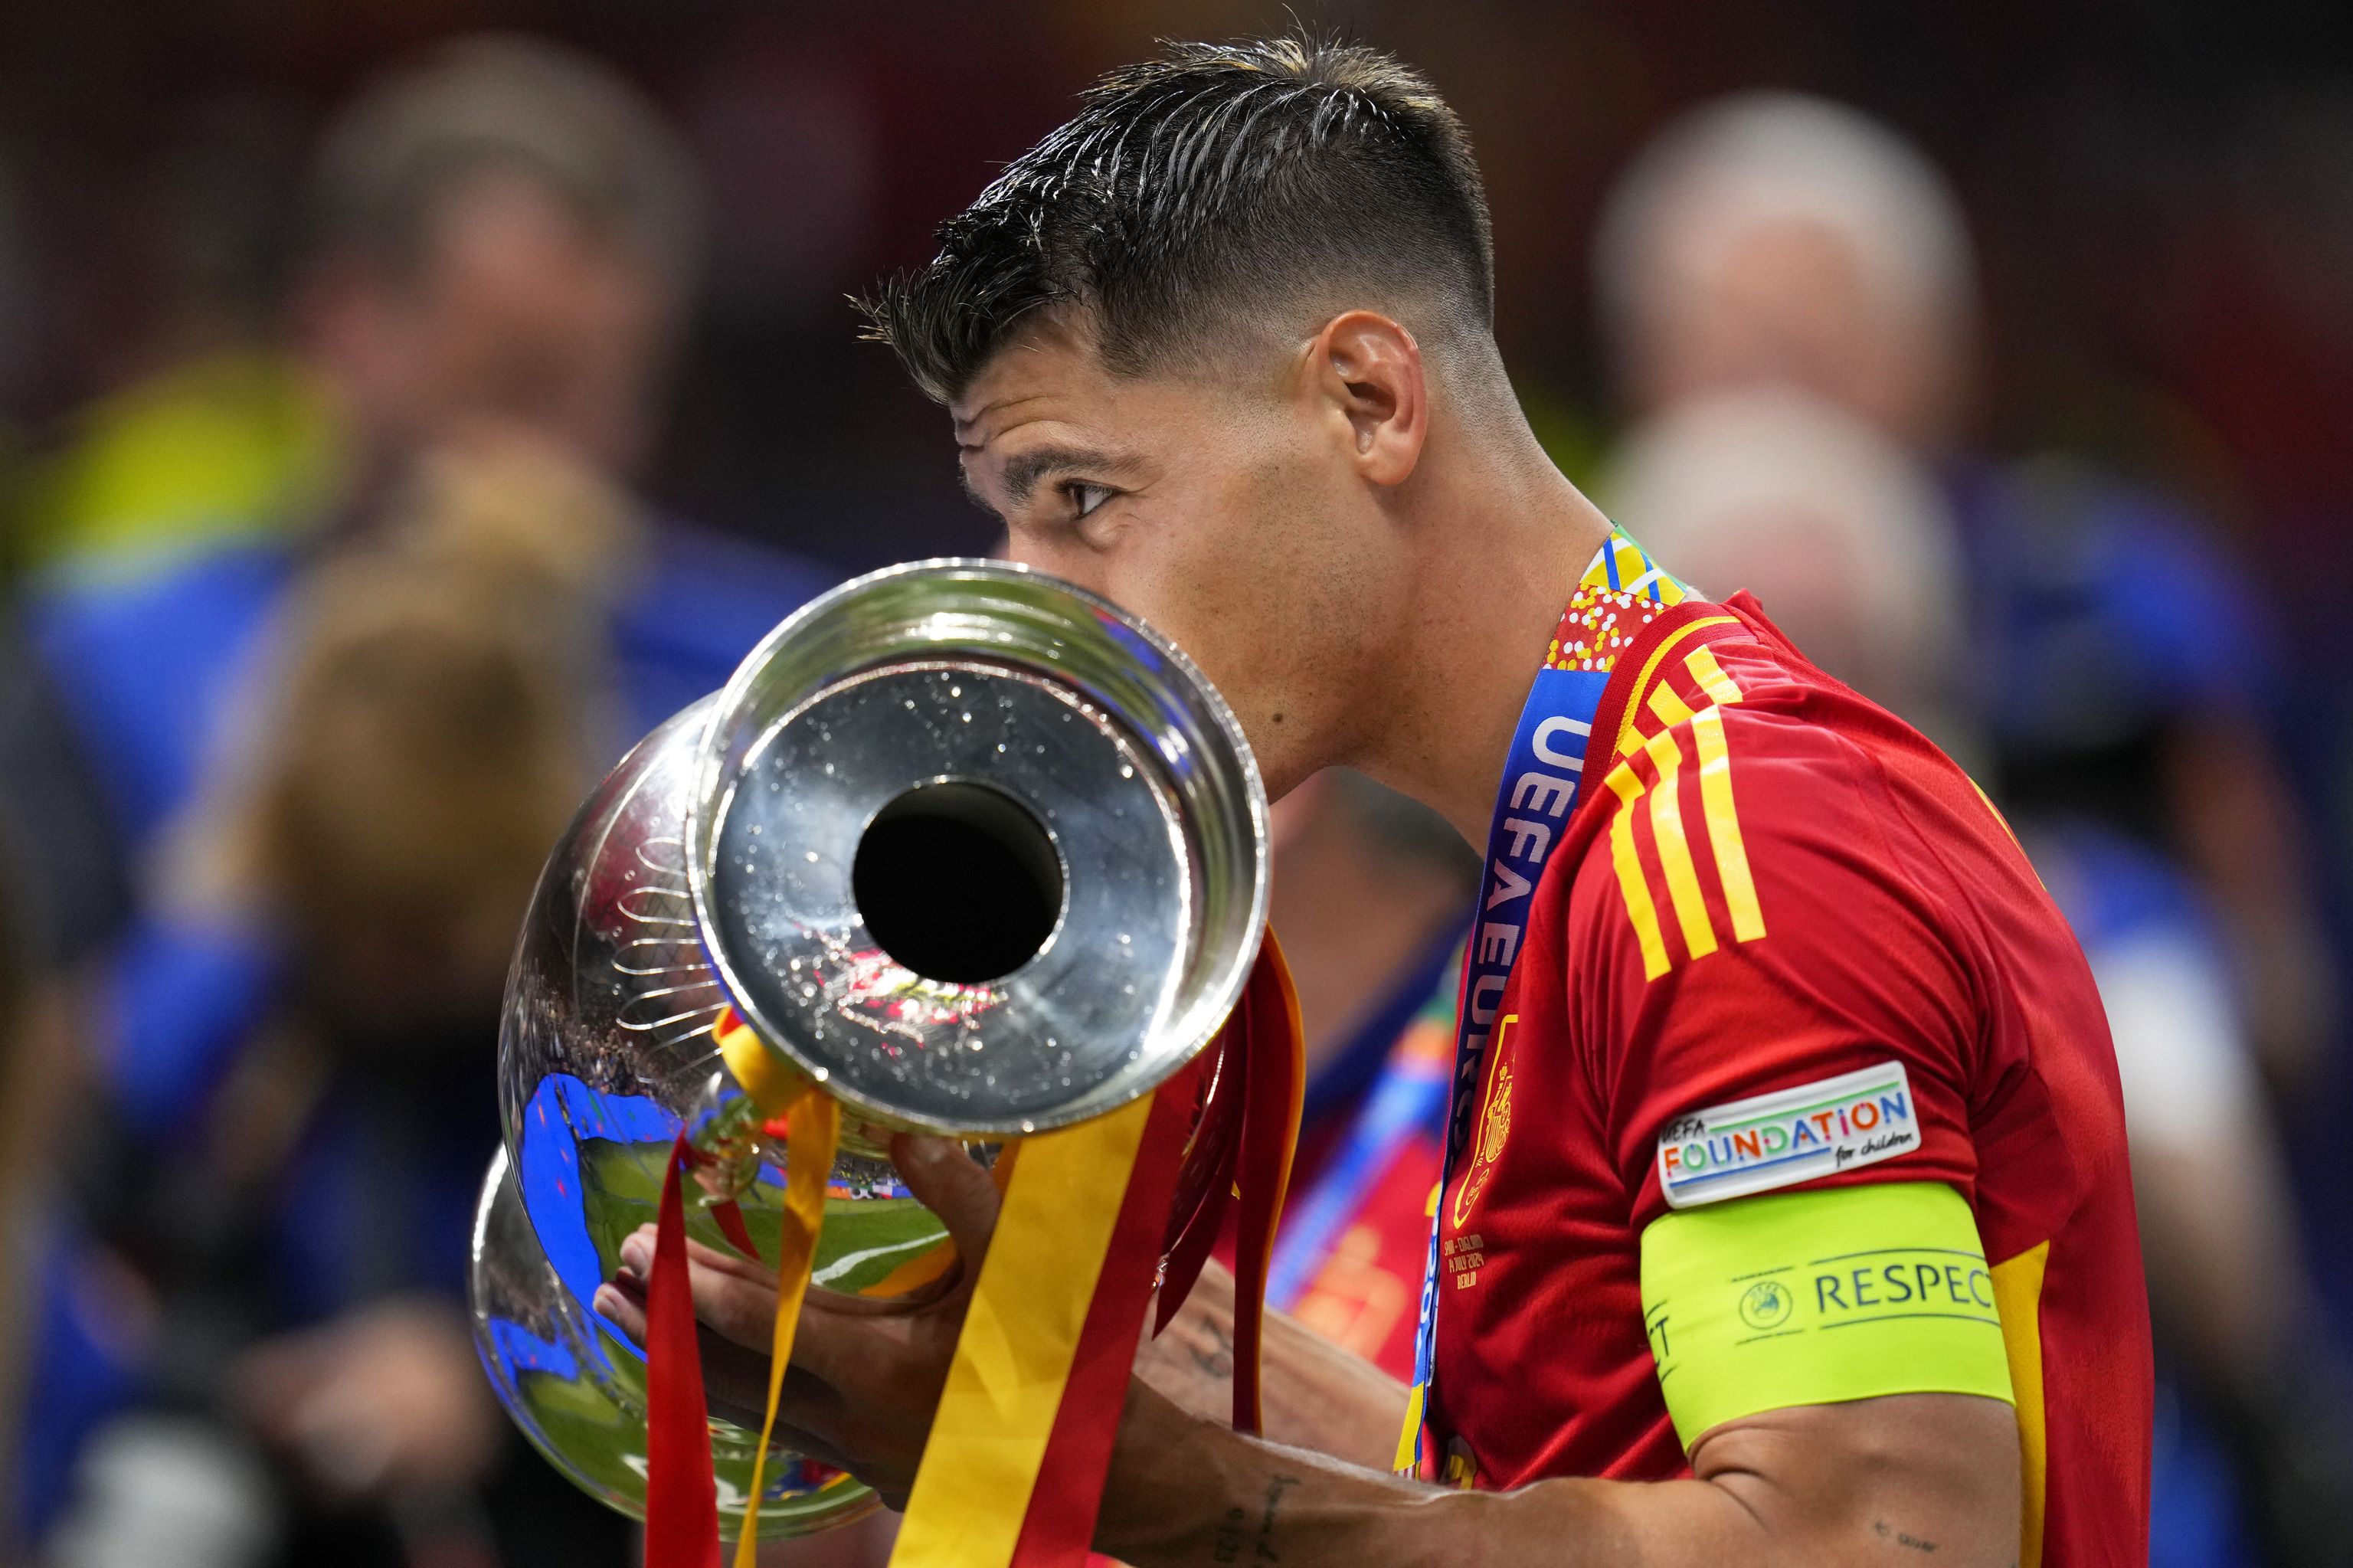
(1779, 1000)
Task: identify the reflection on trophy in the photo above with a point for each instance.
(965, 851)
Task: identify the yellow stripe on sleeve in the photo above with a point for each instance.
(1627, 736)
(1671, 709)
(1628, 860)
(1723, 825)
(1674, 849)
(1719, 687)
(2017, 1288)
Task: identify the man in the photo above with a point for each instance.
(1220, 349)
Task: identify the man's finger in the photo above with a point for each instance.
(636, 1251)
(738, 1303)
(742, 1312)
(732, 1263)
(952, 1185)
(735, 1384)
(627, 1312)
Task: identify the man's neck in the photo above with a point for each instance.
(1501, 539)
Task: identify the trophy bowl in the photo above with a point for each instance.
(969, 847)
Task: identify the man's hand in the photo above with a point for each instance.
(865, 1375)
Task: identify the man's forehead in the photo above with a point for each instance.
(1042, 371)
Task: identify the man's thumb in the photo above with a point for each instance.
(952, 1185)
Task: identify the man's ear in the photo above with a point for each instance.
(1368, 370)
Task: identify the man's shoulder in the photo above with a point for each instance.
(1735, 791)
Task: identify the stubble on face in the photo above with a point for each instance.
(1236, 526)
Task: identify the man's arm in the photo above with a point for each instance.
(1314, 1394)
(1906, 1479)
(1900, 1480)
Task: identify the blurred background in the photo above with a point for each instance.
(404, 404)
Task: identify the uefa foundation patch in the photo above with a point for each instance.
(1788, 1136)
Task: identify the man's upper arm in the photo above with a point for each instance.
(1785, 1045)
(1935, 1474)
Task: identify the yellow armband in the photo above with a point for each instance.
(1814, 1298)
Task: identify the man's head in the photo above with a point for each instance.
(1205, 344)
(504, 232)
(1773, 237)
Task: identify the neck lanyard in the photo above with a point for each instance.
(1540, 789)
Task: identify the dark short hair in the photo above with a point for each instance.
(1214, 188)
(502, 102)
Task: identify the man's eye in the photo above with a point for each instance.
(1087, 497)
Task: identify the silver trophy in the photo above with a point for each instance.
(973, 848)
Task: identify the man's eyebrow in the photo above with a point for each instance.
(1023, 472)
(972, 492)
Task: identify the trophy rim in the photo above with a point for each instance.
(712, 778)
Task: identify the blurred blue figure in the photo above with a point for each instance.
(2126, 673)
(336, 752)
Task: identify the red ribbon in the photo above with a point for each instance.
(681, 1497)
(1199, 1238)
(1275, 1064)
(730, 1216)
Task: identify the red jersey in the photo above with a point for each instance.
(1769, 883)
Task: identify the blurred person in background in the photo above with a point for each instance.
(2121, 666)
(38, 1079)
(1851, 544)
(336, 752)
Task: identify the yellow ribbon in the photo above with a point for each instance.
(1013, 1358)
(812, 1131)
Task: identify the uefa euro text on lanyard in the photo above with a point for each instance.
(1533, 803)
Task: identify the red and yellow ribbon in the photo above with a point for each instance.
(1013, 1472)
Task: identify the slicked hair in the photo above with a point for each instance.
(1207, 195)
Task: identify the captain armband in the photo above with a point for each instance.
(1814, 1298)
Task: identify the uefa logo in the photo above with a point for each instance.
(1766, 1306)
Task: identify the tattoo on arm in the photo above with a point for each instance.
(1881, 1528)
(1216, 1358)
(1234, 1533)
